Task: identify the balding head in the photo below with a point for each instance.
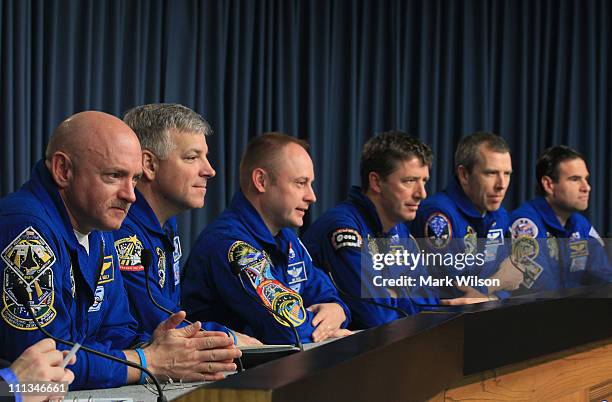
(95, 160)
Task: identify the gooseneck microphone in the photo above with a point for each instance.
(327, 268)
(146, 258)
(237, 270)
(22, 296)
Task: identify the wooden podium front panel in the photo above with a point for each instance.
(583, 374)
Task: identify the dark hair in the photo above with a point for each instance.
(467, 155)
(548, 163)
(383, 152)
(264, 152)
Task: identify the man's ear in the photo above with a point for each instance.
(374, 182)
(462, 175)
(150, 165)
(260, 180)
(61, 168)
(547, 184)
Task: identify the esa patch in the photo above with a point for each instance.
(524, 227)
(346, 237)
(161, 266)
(438, 230)
(129, 250)
(28, 261)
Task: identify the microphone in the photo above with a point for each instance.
(22, 296)
(327, 268)
(146, 257)
(237, 270)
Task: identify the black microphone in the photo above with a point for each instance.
(23, 297)
(327, 268)
(146, 257)
(237, 270)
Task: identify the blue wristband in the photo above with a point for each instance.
(143, 363)
(10, 378)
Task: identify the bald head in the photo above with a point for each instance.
(95, 159)
(89, 130)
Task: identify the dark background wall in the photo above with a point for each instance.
(332, 72)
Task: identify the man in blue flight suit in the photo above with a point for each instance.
(394, 168)
(251, 242)
(469, 209)
(552, 244)
(175, 173)
(52, 247)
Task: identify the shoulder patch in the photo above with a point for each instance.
(129, 251)
(524, 227)
(345, 237)
(525, 249)
(28, 260)
(438, 230)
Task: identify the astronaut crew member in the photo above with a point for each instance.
(175, 173)
(469, 209)
(53, 247)
(555, 246)
(253, 238)
(394, 168)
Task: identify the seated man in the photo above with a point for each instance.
(252, 238)
(394, 169)
(175, 174)
(52, 247)
(553, 245)
(468, 218)
(40, 362)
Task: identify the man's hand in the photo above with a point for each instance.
(327, 320)
(188, 353)
(245, 340)
(510, 277)
(42, 362)
(470, 296)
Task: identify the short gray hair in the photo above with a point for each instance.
(152, 124)
(467, 155)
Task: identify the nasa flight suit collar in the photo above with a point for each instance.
(142, 212)
(550, 218)
(367, 209)
(456, 193)
(254, 223)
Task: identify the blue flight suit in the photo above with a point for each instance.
(141, 230)
(277, 270)
(554, 257)
(448, 222)
(336, 240)
(77, 296)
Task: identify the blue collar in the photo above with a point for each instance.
(456, 193)
(367, 208)
(548, 215)
(142, 213)
(251, 219)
